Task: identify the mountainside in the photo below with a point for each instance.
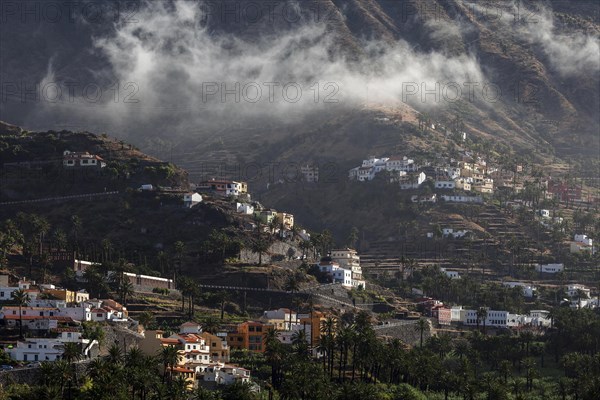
(539, 62)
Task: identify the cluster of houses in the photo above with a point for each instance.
(459, 316)
(53, 317)
(266, 216)
(343, 266)
(217, 187)
(204, 358)
(469, 175)
(201, 356)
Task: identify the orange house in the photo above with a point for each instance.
(250, 336)
(314, 321)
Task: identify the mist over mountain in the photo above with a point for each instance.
(182, 71)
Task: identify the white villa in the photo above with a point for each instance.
(44, 349)
(349, 259)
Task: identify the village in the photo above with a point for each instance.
(319, 290)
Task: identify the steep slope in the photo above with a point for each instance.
(542, 57)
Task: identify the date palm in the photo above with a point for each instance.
(169, 357)
(420, 327)
(21, 298)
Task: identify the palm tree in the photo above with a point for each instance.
(420, 327)
(481, 316)
(145, 318)
(222, 298)
(328, 327)
(300, 343)
(260, 246)
(9, 237)
(169, 357)
(71, 354)
(211, 324)
(21, 298)
(125, 290)
(274, 355)
(292, 286)
(115, 355)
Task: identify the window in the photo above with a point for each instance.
(251, 329)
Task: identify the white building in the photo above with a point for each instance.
(338, 274)
(540, 318)
(425, 198)
(450, 232)
(528, 290)
(462, 199)
(372, 166)
(582, 243)
(550, 268)
(574, 290)
(82, 312)
(223, 374)
(450, 274)
(191, 199)
(244, 208)
(397, 163)
(494, 318)
(544, 213)
(412, 181)
(457, 314)
(72, 159)
(349, 259)
(581, 238)
(445, 185)
(38, 349)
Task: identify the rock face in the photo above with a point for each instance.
(278, 251)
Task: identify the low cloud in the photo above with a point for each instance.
(170, 66)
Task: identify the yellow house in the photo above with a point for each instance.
(62, 294)
(287, 220)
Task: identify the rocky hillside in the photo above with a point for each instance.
(540, 58)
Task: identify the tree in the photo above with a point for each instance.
(125, 290)
(353, 237)
(145, 318)
(420, 327)
(211, 324)
(21, 298)
(169, 358)
(71, 354)
(9, 237)
(274, 354)
(481, 316)
(260, 246)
